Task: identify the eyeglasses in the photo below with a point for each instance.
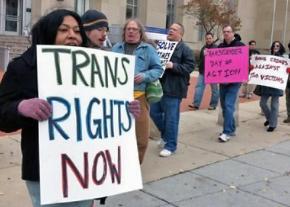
(227, 31)
(103, 29)
(132, 29)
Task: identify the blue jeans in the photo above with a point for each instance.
(271, 114)
(34, 191)
(228, 96)
(165, 115)
(199, 90)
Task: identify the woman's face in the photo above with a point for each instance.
(276, 47)
(68, 33)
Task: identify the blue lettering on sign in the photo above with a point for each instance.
(114, 118)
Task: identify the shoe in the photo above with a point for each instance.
(161, 143)
(233, 134)
(266, 123)
(286, 120)
(193, 107)
(224, 137)
(270, 129)
(165, 153)
(211, 108)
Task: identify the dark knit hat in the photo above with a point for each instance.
(93, 19)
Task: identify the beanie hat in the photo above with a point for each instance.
(93, 19)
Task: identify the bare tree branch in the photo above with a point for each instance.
(212, 15)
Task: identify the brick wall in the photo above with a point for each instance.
(16, 44)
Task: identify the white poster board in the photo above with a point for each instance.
(165, 50)
(88, 147)
(269, 71)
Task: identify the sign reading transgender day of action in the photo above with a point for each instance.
(88, 147)
(226, 65)
(269, 71)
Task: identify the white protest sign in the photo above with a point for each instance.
(88, 147)
(165, 50)
(269, 71)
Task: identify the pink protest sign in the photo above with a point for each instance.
(227, 65)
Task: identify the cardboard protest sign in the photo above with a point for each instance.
(269, 71)
(88, 147)
(165, 50)
(227, 65)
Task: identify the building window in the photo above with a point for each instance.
(11, 17)
(81, 6)
(170, 16)
(201, 33)
(131, 11)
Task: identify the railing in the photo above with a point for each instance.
(4, 58)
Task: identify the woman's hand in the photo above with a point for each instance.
(135, 108)
(35, 108)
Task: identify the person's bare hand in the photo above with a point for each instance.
(35, 108)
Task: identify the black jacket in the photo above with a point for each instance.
(234, 43)
(175, 81)
(253, 52)
(202, 57)
(19, 83)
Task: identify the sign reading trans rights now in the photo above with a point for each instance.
(269, 71)
(88, 147)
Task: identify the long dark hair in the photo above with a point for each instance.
(281, 49)
(45, 30)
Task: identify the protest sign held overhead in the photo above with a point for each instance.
(226, 65)
(165, 50)
(269, 70)
(88, 147)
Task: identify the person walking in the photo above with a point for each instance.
(200, 85)
(229, 91)
(175, 80)
(271, 112)
(147, 69)
(96, 26)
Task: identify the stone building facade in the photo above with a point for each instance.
(262, 20)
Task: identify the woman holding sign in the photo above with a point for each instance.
(19, 106)
(271, 113)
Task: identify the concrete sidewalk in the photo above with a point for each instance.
(251, 170)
